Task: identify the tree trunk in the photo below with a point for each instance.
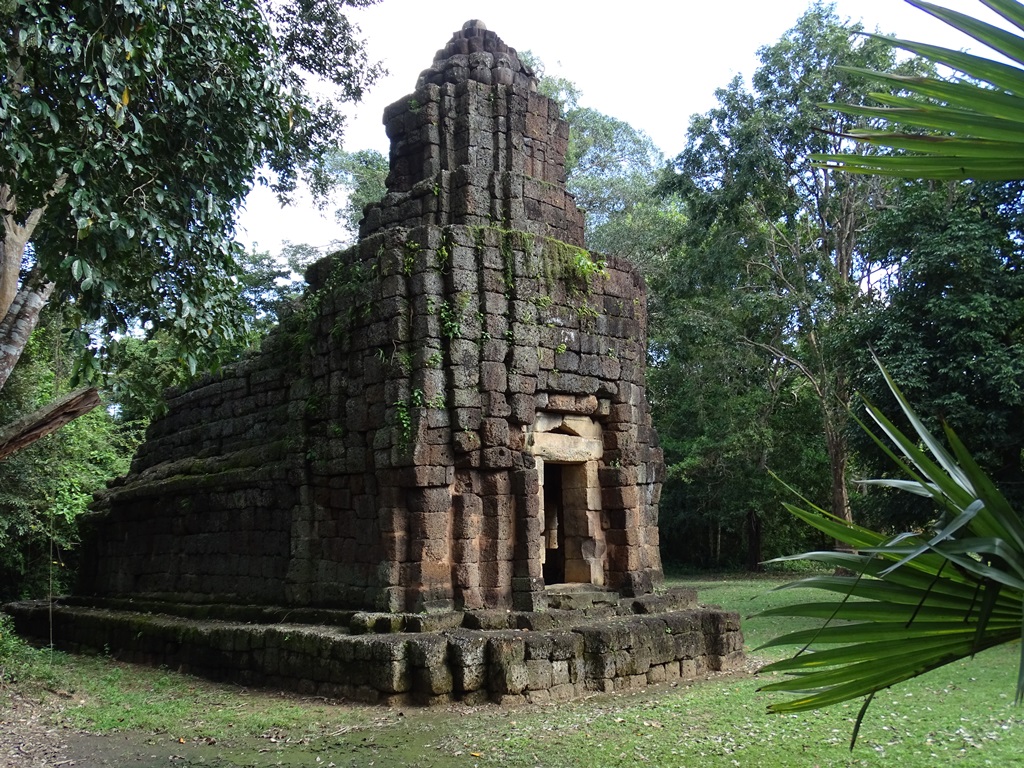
(16, 234)
(754, 539)
(12, 248)
(21, 319)
(19, 306)
(838, 456)
(47, 419)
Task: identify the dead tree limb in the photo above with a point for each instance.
(47, 419)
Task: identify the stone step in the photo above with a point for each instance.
(473, 666)
(569, 597)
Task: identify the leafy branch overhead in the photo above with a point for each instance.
(130, 133)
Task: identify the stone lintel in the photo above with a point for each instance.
(569, 449)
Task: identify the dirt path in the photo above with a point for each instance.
(32, 736)
(27, 737)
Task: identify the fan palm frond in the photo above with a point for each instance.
(968, 127)
(913, 602)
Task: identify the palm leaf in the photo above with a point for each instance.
(967, 128)
(973, 565)
(964, 94)
(1009, 10)
(917, 600)
(1000, 40)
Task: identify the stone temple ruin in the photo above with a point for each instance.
(439, 472)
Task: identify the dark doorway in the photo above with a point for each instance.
(554, 525)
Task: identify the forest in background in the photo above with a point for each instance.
(770, 281)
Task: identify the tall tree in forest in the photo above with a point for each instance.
(951, 327)
(725, 413)
(130, 133)
(785, 233)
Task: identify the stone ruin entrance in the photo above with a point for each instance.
(446, 444)
(567, 451)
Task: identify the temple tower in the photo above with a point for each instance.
(453, 419)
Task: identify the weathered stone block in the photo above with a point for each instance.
(498, 458)
(494, 432)
(493, 377)
(507, 664)
(467, 649)
(538, 674)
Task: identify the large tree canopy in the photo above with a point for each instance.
(129, 134)
(778, 236)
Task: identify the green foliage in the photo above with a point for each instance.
(969, 126)
(271, 286)
(610, 166)
(776, 240)
(403, 417)
(645, 231)
(362, 174)
(951, 327)
(943, 594)
(135, 129)
(266, 290)
(927, 598)
(45, 487)
(16, 656)
(572, 265)
(725, 413)
(559, 89)
(452, 313)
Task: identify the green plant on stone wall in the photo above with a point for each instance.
(404, 361)
(569, 263)
(445, 251)
(587, 314)
(412, 248)
(403, 417)
(508, 265)
(451, 315)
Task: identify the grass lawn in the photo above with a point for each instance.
(960, 715)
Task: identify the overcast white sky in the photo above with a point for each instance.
(652, 63)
